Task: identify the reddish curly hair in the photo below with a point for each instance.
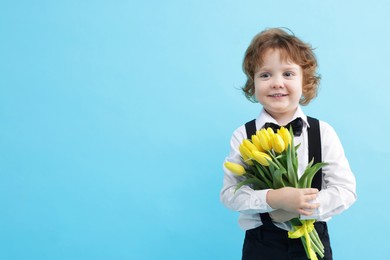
(291, 49)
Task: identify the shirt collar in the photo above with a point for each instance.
(264, 117)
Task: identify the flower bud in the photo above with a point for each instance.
(261, 158)
(286, 136)
(256, 142)
(270, 132)
(248, 144)
(235, 168)
(246, 154)
(264, 139)
(278, 143)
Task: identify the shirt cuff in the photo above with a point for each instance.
(315, 215)
(259, 201)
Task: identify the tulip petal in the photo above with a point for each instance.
(250, 145)
(235, 168)
(262, 158)
(278, 143)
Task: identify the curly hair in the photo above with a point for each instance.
(292, 49)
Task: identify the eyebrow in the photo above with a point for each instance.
(288, 67)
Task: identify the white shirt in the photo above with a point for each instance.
(338, 183)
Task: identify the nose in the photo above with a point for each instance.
(277, 82)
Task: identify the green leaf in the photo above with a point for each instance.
(310, 171)
(263, 175)
(278, 180)
(276, 163)
(258, 183)
(292, 175)
(296, 222)
(287, 182)
(294, 157)
(267, 172)
(271, 168)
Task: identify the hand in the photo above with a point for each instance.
(281, 215)
(293, 200)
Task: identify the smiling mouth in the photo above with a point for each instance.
(278, 95)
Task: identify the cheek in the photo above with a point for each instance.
(258, 90)
(300, 90)
(259, 86)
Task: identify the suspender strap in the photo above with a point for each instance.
(250, 128)
(314, 138)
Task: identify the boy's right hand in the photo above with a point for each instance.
(293, 200)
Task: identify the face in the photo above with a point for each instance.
(278, 86)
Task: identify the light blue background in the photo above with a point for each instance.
(116, 117)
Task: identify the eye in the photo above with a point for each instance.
(288, 74)
(265, 75)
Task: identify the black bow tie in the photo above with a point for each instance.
(296, 125)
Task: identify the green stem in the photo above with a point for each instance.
(263, 176)
(317, 249)
(314, 236)
(304, 245)
(278, 165)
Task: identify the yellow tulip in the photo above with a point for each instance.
(235, 168)
(278, 143)
(264, 139)
(246, 154)
(262, 132)
(285, 134)
(261, 158)
(249, 145)
(256, 142)
(271, 132)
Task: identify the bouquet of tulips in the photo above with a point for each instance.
(271, 163)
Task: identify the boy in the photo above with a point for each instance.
(281, 75)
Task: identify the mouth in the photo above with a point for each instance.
(278, 95)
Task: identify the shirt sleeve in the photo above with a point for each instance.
(338, 191)
(244, 200)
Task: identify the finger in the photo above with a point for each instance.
(308, 191)
(306, 212)
(310, 197)
(311, 205)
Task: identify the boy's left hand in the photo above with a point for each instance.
(281, 215)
